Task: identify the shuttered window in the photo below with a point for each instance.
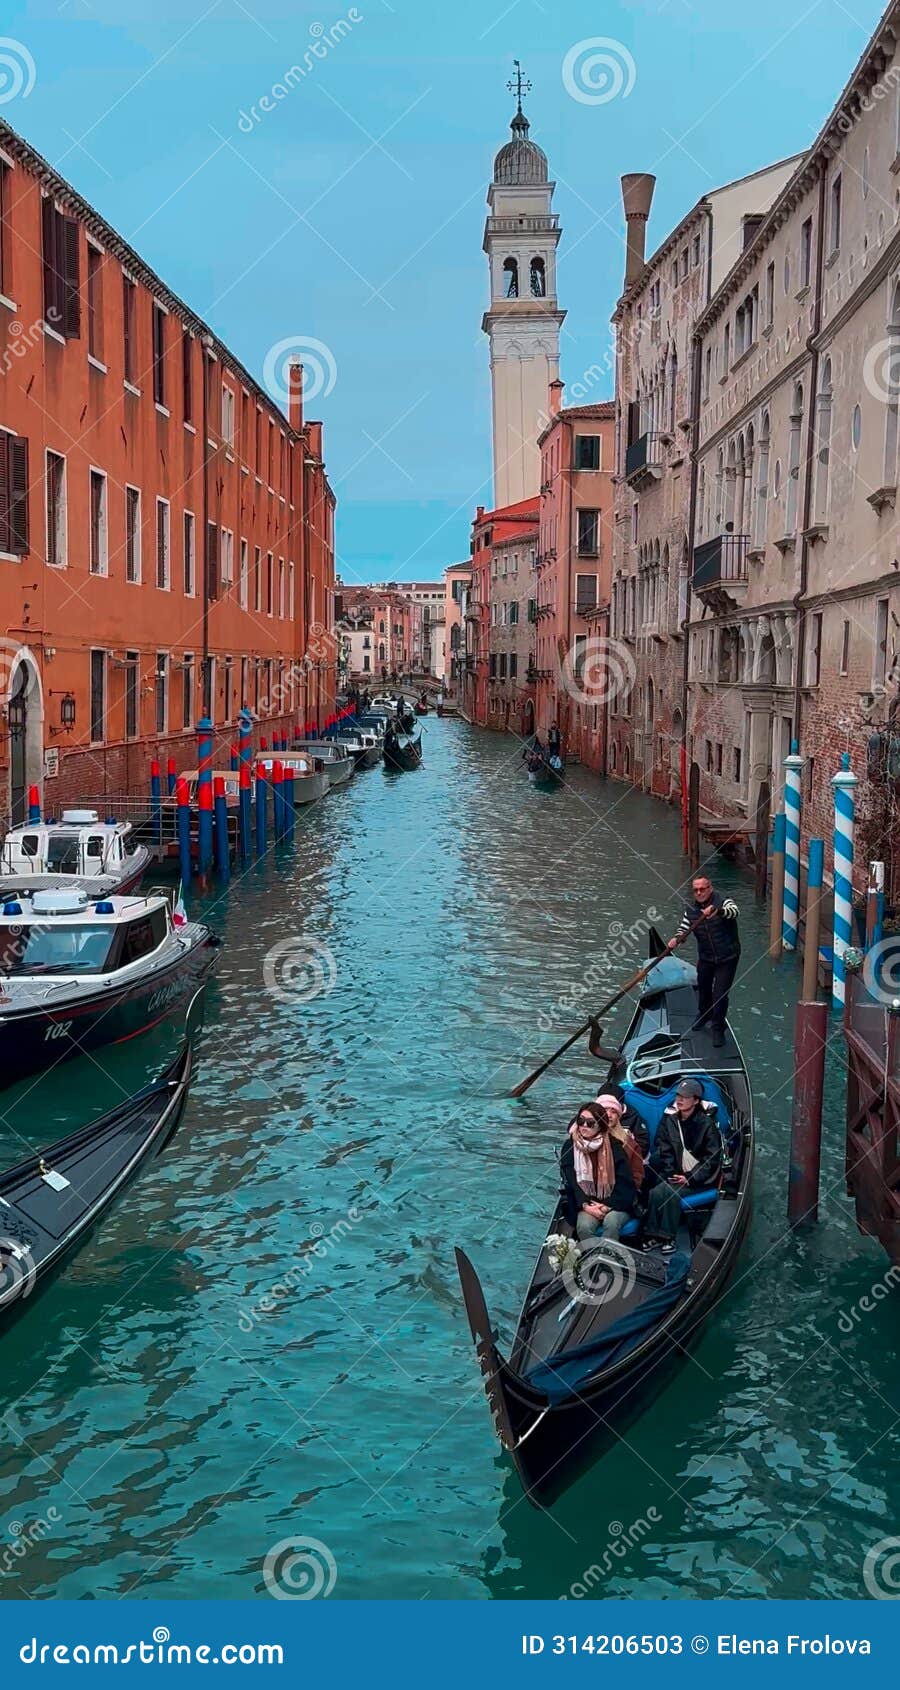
(159, 355)
(98, 696)
(187, 376)
(5, 264)
(131, 694)
(129, 337)
(99, 532)
(132, 534)
(13, 494)
(62, 298)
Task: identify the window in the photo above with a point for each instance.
(736, 765)
(132, 661)
(257, 581)
(212, 561)
(56, 510)
(99, 524)
(142, 936)
(493, 665)
(245, 426)
(132, 534)
(129, 327)
(845, 649)
(209, 666)
(13, 495)
(98, 696)
(588, 539)
(513, 613)
(229, 669)
(707, 744)
(726, 350)
(95, 301)
(227, 557)
(502, 665)
(270, 455)
(62, 295)
(806, 253)
(189, 554)
(510, 279)
(281, 587)
(835, 230)
(228, 416)
(243, 583)
(585, 594)
(707, 372)
(814, 651)
(269, 566)
(770, 295)
(187, 377)
(162, 691)
(258, 446)
(513, 665)
(290, 592)
(159, 355)
(823, 445)
(163, 537)
(187, 691)
(587, 451)
(538, 278)
(718, 759)
(695, 252)
(879, 665)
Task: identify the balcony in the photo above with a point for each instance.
(721, 564)
(644, 461)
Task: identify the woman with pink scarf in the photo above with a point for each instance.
(598, 1184)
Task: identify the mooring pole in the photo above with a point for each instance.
(34, 804)
(223, 863)
(810, 1035)
(171, 776)
(844, 783)
(261, 800)
(815, 874)
(288, 798)
(204, 796)
(244, 827)
(793, 769)
(874, 905)
(775, 909)
(761, 841)
(183, 816)
(156, 799)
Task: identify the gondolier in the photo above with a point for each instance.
(713, 919)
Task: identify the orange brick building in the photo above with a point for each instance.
(166, 532)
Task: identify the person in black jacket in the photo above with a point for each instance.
(598, 1185)
(687, 1156)
(714, 920)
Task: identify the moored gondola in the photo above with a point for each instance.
(603, 1323)
(399, 753)
(50, 1202)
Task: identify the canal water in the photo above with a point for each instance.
(264, 1345)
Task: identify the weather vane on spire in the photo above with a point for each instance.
(519, 85)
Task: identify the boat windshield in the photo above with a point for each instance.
(62, 853)
(54, 950)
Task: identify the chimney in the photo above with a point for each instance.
(295, 396)
(314, 435)
(637, 194)
(554, 397)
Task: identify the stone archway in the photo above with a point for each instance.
(25, 720)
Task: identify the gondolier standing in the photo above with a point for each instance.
(714, 921)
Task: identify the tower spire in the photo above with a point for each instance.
(519, 85)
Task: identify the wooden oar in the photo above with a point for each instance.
(617, 997)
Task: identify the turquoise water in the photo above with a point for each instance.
(164, 1431)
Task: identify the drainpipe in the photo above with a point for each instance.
(696, 388)
(813, 350)
(205, 345)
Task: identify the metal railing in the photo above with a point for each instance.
(722, 559)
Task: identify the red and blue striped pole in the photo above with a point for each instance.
(34, 804)
(277, 812)
(288, 795)
(261, 791)
(234, 758)
(183, 819)
(223, 865)
(170, 776)
(244, 829)
(205, 794)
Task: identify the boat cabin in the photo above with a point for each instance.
(67, 933)
(78, 844)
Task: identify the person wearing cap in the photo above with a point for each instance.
(598, 1183)
(714, 923)
(687, 1156)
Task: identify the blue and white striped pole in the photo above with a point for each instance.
(793, 768)
(844, 783)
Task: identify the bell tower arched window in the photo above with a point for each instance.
(538, 278)
(511, 278)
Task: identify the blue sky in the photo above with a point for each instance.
(351, 214)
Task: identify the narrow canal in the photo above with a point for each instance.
(163, 1432)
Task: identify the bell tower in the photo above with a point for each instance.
(521, 235)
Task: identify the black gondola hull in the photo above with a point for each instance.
(42, 1227)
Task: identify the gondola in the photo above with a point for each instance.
(596, 1341)
(542, 773)
(51, 1202)
(400, 754)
